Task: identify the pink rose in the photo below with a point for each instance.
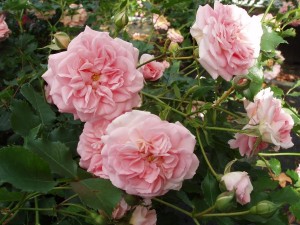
(143, 216)
(228, 39)
(146, 156)
(121, 209)
(175, 35)
(246, 144)
(160, 22)
(90, 146)
(272, 72)
(153, 70)
(240, 183)
(75, 17)
(267, 115)
(96, 77)
(4, 31)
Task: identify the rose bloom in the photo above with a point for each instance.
(246, 143)
(4, 31)
(76, 17)
(241, 184)
(228, 39)
(146, 156)
(175, 35)
(153, 70)
(160, 22)
(96, 77)
(121, 209)
(267, 115)
(90, 146)
(143, 216)
(273, 72)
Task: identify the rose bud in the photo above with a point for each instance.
(264, 208)
(62, 40)
(224, 201)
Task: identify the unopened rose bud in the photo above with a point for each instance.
(241, 83)
(173, 48)
(224, 201)
(61, 39)
(264, 208)
(121, 19)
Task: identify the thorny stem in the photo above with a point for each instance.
(225, 129)
(205, 157)
(224, 96)
(163, 103)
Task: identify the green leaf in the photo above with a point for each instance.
(22, 118)
(295, 94)
(293, 174)
(98, 194)
(25, 170)
(278, 92)
(7, 196)
(42, 108)
(69, 136)
(4, 120)
(255, 75)
(15, 5)
(210, 188)
(57, 155)
(295, 209)
(285, 195)
(275, 166)
(270, 39)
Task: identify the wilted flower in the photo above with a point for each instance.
(160, 22)
(174, 35)
(228, 39)
(74, 17)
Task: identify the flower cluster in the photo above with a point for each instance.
(96, 79)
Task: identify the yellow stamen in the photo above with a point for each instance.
(96, 77)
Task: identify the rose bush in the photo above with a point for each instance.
(108, 123)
